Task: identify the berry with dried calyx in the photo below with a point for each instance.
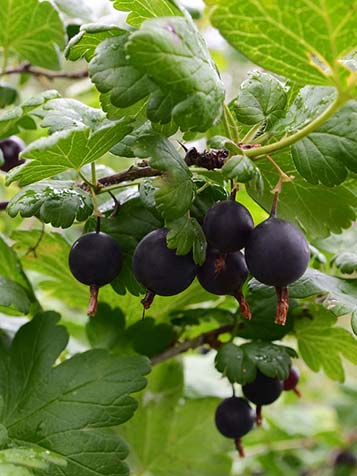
(225, 274)
(11, 149)
(227, 226)
(234, 418)
(95, 259)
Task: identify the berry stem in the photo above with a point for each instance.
(230, 125)
(93, 300)
(259, 415)
(243, 305)
(148, 299)
(239, 446)
(282, 306)
(297, 392)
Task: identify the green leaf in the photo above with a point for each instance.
(58, 203)
(261, 99)
(321, 345)
(235, 364)
(65, 408)
(63, 114)
(106, 327)
(141, 10)
(354, 323)
(188, 87)
(20, 118)
(206, 199)
(326, 155)
(68, 149)
(301, 41)
(346, 262)
(34, 30)
(318, 209)
(14, 296)
(8, 95)
(23, 461)
(271, 359)
(185, 235)
(240, 168)
(87, 40)
(150, 338)
(181, 428)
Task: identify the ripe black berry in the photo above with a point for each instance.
(345, 458)
(159, 269)
(227, 226)
(290, 383)
(234, 419)
(263, 391)
(11, 149)
(277, 254)
(225, 274)
(95, 259)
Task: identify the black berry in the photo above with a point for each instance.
(159, 269)
(263, 391)
(346, 458)
(277, 253)
(234, 418)
(225, 274)
(11, 149)
(95, 259)
(227, 226)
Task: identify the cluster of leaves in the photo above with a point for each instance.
(155, 78)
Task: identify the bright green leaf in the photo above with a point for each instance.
(300, 40)
(32, 29)
(141, 10)
(321, 345)
(58, 203)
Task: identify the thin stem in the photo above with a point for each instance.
(94, 174)
(229, 124)
(290, 140)
(201, 189)
(85, 180)
(118, 185)
(29, 69)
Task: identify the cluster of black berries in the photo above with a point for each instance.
(11, 149)
(235, 417)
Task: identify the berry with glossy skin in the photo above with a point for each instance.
(11, 149)
(263, 391)
(95, 259)
(227, 226)
(290, 383)
(225, 274)
(234, 418)
(277, 253)
(159, 269)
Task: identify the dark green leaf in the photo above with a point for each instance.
(326, 155)
(261, 99)
(106, 327)
(34, 30)
(65, 408)
(318, 209)
(240, 168)
(8, 95)
(14, 296)
(58, 203)
(187, 83)
(235, 364)
(185, 235)
(149, 338)
(141, 10)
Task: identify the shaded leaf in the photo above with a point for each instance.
(346, 262)
(185, 235)
(235, 364)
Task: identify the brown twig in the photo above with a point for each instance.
(132, 173)
(29, 69)
(210, 338)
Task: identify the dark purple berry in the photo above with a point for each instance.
(263, 390)
(234, 418)
(345, 458)
(225, 274)
(227, 226)
(277, 253)
(290, 383)
(11, 149)
(95, 259)
(159, 269)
